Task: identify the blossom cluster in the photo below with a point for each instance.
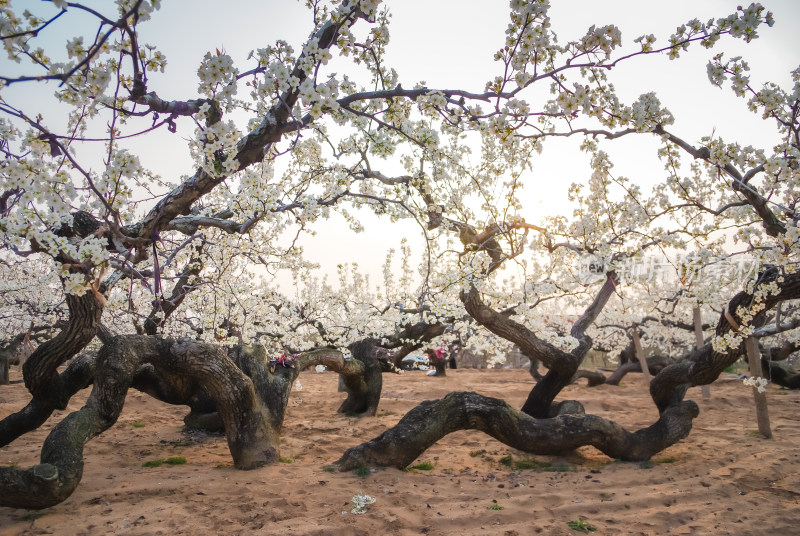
(217, 75)
(760, 384)
(743, 24)
(361, 503)
(215, 145)
(604, 38)
(647, 113)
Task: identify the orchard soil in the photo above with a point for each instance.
(723, 479)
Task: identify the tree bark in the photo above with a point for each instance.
(593, 377)
(534, 369)
(779, 375)
(361, 376)
(77, 376)
(439, 365)
(39, 370)
(252, 439)
(628, 354)
(622, 371)
(420, 333)
(782, 352)
(364, 386)
(785, 377)
(61, 467)
(431, 420)
(654, 365)
(562, 365)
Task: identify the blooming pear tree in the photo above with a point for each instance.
(166, 283)
(740, 317)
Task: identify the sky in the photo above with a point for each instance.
(457, 40)
(449, 44)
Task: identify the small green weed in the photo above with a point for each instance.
(32, 516)
(424, 466)
(362, 471)
(505, 460)
(536, 465)
(329, 469)
(137, 424)
(285, 460)
(647, 464)
(476, 453)
(581, 526)
(495, 506)
(153, 463)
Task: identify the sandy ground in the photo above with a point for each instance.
(723, 479)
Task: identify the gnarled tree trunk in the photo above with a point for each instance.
(785, 377)
(236, 391)
(655, 365)
(433, 419)
(561, 365)
(557, 430)
(78, 375)
(361, 377)
(593, 377)
(251, 437)
(439, 365)
(363, 386)
(39, 370)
